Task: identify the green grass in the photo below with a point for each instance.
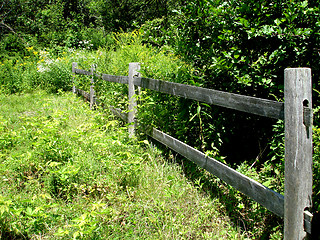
(71, 173)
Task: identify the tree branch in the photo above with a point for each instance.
(11, 29)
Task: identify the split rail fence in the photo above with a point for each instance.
(295, 206)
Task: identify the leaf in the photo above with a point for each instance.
(61, 232)
(277, 22)
(267, 183)
(192, 117)
(241, 205)
(29, 211)
(76, 234)
(54, 164)
(198, 109)
(4, 209)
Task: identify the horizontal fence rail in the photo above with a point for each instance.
(112, 78)
(253, 105)
(297, 218)
(258, 106)
(258, 192)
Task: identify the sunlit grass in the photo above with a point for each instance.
(68, 172)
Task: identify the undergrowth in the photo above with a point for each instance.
(71, 173)
(46, 147)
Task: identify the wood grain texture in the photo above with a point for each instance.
(298, 151)
(113, 78)
(262, 107)
(261, 194)
(258, 106)
(132, 108)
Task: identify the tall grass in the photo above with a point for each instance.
(69, 173)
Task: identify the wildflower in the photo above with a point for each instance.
(48, 61)
(29, 48)
(42, 69)
(35, 53)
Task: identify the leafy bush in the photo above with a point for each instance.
(11, 45)
(243, 48)
(37, 69)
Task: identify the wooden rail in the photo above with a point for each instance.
(297, 113)
(258, 106)
(253, 105)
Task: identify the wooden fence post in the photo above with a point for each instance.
(74, 66)
(133, 72)
(92, 92)
(298, 151)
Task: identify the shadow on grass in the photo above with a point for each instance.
(247, 217)
(6, 234)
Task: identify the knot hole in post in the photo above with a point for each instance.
(307, 115)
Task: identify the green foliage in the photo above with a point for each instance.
(156, 109)
(36, 69)
(236, 47)
(188, 121)
(316, 169)
(126, 15)
(153, 32)
(241, 43)
(50, 23)
(11, 45)
(243, 48)
(68, 172)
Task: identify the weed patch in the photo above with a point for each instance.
(68, 172)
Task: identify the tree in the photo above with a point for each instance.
(128, 14)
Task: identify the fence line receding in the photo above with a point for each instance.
(295, 206)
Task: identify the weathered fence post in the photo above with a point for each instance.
(298, 151)
(74, 66)
(92, 92)
(133, 72)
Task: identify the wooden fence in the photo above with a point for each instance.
(295, 206)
